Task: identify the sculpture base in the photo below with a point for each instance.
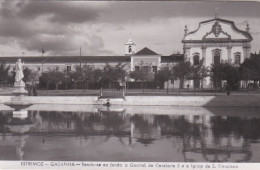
(19, 89)
(17, 103)
(22, 114)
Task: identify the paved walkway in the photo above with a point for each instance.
(130, 92)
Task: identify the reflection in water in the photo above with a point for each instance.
(117, 136)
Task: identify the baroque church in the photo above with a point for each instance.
(214, 41)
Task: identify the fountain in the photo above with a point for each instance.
(17, 102)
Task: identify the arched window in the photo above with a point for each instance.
(237, 58)
(130, 49)
(196, 59)
(216, 57)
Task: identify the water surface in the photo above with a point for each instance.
(132, 134)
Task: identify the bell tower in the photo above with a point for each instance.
(130, 47)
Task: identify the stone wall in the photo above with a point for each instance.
(196, 101)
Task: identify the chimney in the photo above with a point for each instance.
(247, 28)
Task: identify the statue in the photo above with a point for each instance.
(19, 70)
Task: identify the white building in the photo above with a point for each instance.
(214, 41)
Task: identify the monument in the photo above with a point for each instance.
(17, 102)
(19, 85)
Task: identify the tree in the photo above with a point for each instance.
(162, 76)
(204, 72)
(113, 74)
(181, 71)
(75, 76)
(225, 71)
(250, 70)
(53, 76)
(30, 75)
(90, 75)
(4, 70)
(97, 74)
(197, 73)
(143, 74)
(86, 74)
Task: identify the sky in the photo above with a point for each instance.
(103, 27)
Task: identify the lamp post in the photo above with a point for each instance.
(80, 59)
(42, 60)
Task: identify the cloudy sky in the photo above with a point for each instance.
(102, 28)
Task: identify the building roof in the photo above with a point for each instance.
(67, 59)
(146, 51)
(247, 35)
(172, 58)
(86, 59)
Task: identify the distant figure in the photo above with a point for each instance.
(120, 85)
(19, 70)
(108, 104)
(225, 85)
(34, 89)
(29, 89)
(188, 86)
(228, 89)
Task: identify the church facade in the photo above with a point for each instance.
(215, 41)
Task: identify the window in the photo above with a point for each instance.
(130, 49)
(196, 60)
(68, 69)
(137, 67)
(237, 58)
(216, 57)
(155, 69)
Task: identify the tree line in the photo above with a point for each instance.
(90, 77)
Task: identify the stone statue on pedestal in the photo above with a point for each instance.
(17, 102)
(19, 70)
(19, 85)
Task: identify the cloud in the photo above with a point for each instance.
(14, 28)
(61, 12)
(146, 11)
(255, 33)
(64, 44)
(55, 26)
(62, 27)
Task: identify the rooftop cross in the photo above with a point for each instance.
(216, 12)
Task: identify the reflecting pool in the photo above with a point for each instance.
(174, 134)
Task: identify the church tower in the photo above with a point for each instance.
(130, 47)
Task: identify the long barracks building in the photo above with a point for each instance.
(131, 60)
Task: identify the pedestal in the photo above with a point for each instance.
(19, 89)
(17, 102)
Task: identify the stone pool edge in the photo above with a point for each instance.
(235, 100)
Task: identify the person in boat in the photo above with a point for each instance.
(108, 104)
